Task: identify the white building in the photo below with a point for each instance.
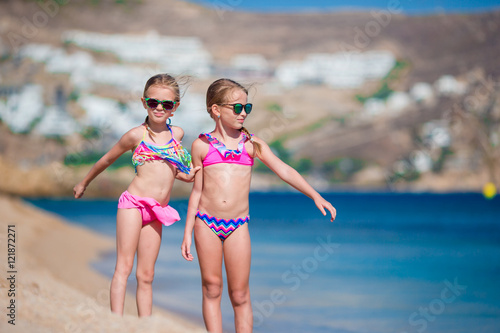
(336, 70)
(422, 92)
(448, 85)
(56, 122)
(436, 134)
(193, 117)
(108, 115)
(37, 52)
(398, 101)
(84, 72)
(254, 64)
(56, 59)
(61, 62)
(178, 55)
(128, 78)
(20, 111)
(421, 160)
(377, 64)
(374, 106)
(289, 74)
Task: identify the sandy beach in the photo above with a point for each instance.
(51, 284)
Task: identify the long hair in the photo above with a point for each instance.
(218, 93)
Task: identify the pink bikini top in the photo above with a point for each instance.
(218, 152)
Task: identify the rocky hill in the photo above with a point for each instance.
(326, 122)
(434, 44)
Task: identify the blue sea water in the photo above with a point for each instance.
(389, 263)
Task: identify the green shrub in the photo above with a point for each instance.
(304, 165)
(89, 158)
(342, 169)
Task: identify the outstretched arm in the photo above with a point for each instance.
(127, 142)
(194, 200)
(293, 178)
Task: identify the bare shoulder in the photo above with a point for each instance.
(252, 149)
(137, 131)
(133, 136)
(200, 147)
(258, 140)
(200, 143)
(178, 132)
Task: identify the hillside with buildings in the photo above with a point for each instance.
(360, 100)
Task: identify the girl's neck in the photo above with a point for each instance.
(156, 128)
(227, 133)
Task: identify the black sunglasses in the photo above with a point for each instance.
(153, 103)
(238, 107)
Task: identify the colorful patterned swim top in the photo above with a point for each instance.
(172, 152)
(218, 152)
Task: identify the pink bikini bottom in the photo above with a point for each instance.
(150, 209)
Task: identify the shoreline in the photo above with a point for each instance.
(55, 287)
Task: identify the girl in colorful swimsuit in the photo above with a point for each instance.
(218, 206)
(158, 158)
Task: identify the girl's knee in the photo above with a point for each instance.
(212, 288)
(145, 276)
(239, 296)
(124, 267)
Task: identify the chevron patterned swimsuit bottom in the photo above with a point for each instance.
(222, 227)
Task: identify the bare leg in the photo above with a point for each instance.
(128, 228)
(147, 253)
(237, 257)
(209, 250)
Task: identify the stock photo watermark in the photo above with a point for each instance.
(293, 278)
(363, 36)
(77, 152)
(481, 90)
(11, 274)
(428, 314)
(87, 311)
(223, 6)
(277, 124)
(31, 26)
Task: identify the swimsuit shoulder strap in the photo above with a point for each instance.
(143, 138)
(245, 137)
(171, 134)
(207, 135)
(145, 132)
(211, 139)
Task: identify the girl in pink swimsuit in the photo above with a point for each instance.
(218, 205)
(143, 208)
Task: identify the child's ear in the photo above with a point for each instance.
(215, 110)
(176, 106)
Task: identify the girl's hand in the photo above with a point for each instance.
(188, 178)
(78, 190)
(322, 204)
(186, 249)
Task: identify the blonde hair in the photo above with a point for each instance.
(218, 93)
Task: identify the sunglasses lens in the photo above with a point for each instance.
(248, 108)
(238, 108)
(168, 105)
(152, 103)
